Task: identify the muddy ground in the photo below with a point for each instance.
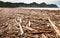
(38, 18)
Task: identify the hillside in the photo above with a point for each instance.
(34, 4)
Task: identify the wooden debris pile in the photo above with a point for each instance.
(28, 25)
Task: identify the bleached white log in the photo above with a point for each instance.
(55, 28)
(20, 20)
(21, 29)
(29, 23)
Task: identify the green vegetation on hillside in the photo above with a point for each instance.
(34, 4)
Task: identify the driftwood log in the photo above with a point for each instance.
(54, 27)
